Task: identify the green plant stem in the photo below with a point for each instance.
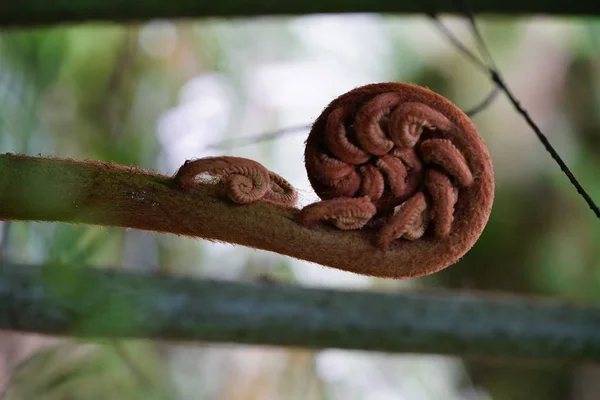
(89, 303)
(41, 12)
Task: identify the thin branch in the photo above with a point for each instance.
(42, 12)
(495, 76)
(291, 130)
(485, 103)
(263, 137)
(90, 303)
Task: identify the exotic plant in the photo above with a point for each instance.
(397, 162)
(405, 179)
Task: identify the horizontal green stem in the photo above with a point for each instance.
(40, 12)
(90, 303)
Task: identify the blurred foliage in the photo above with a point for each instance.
(90, 372)
(105, 92)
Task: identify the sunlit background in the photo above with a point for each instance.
(155, 94)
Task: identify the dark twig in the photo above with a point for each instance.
(496, 77)
(247, 141)
(263, 137)
(484, 103)
(47, 12)
(460, 46)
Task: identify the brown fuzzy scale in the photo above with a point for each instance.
(444, 196)
(281, 191)
(246, 181)
(445, 140)
(407, 222)
(443, 153)
(372, 138)
(408, 121)
(356, 212)
(372, 184)
(409, 158)
(338, 142)
(395, 173)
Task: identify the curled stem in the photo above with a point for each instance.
(92, 192)
(238, 201)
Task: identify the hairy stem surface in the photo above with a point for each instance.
(91, 192)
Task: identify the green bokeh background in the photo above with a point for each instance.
(101, 92)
